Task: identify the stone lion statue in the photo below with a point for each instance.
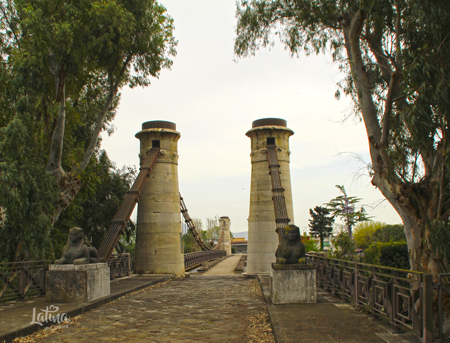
(290, 249)
(76, 251)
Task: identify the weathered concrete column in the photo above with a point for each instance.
(158, 236)
(262, 237)
(224, 222)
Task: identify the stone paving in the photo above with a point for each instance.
(201, 308)
(329, 320)
(193, 309)
(226, 267)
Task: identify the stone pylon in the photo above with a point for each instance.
(224, 223)
(262, 237)
(158, 236)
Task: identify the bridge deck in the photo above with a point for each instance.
(204, 309)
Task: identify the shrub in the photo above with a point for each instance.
(311, 245)
(390, 254)
(344, 247)
(372, 254)
(395, 255)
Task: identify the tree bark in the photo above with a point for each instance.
(414, 208)
(76, 171)
(54, 161)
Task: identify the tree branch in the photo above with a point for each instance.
(374, 42)
(9, 24)
(113, 88)
(54, 161)
(387, 111)
(77, 170)
(352, 28)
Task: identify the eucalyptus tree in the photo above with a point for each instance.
(394, 57)
(63, 64)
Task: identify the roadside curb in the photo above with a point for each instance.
(268, 301)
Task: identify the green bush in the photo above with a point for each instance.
(395, 255)
(389, 233)
(390, 254)
(371, 255)
(344, 247)
(311, 245)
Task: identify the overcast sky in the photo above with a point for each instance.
(213, 100)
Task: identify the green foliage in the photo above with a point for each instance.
(26, 194)
(311, 245)
(440, 239)
(344, 247)
(105, 187)
(321, 223)
(79, 54)
(364, 233)
(371, 254)
(390, 254)
(367, 233)
(395, 255)
(131, 249)
(343, 207)
(189, 243)
(212, 233)
(390, 233)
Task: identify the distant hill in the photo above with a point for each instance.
(243, 234)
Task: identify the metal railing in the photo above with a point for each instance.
(19, 280)
(443, 290)
(119, 266)
(195, 258)
(403, 297)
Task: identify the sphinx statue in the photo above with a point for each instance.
(76, 251)
(290, 249)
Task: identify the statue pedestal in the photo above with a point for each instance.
(292, 283)
(77, 283)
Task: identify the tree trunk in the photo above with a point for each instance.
(414, 202)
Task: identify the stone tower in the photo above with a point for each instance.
(224, 222)
(158, 236)
(262, 237)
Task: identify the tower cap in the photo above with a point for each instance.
(269, 122)
(159, 124)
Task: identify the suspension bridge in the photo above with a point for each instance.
(153, 306)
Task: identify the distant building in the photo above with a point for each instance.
(240, 245)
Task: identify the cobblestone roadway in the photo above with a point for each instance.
(195, 309)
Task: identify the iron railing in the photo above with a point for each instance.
(19, 280)
(119, 266)
(403, 297)
(195, 258)
(443, 291)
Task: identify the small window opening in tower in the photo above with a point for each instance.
(270, 140)
(155, 144)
